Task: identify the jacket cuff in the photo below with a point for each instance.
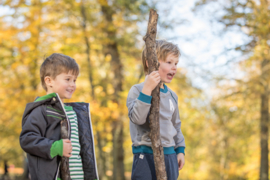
(57, 148)
(145, 98)
(180, 150)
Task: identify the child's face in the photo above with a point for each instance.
(167, 68)
(64, 84)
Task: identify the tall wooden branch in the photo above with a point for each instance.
(153, 65)
(65, 174)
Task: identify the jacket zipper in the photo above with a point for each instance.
(65, 115)
(57, 170)
(68, 132)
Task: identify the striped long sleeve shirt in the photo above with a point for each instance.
(75, 161)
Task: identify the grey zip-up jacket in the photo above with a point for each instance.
(170, 124)
(41, 128)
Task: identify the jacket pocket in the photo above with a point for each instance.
(140, 169)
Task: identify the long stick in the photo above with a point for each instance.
(153, 65)
(65, 174)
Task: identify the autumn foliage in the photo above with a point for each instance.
(222, 132)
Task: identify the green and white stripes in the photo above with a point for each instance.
(51, 112)
(75, 161)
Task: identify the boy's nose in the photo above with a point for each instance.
(73, 84)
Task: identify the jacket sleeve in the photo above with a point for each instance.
(32, 138)
(138, 106)
(179, 138)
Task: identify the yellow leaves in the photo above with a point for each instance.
(15, 65)
(96, 46)
(115, 115)
(105, 114)
(109, 137)
(108, 58)
(110, 89)
(103, 2)
(112, 105)
(213, 142)
(111, 28)
(114, 111)
(106, 149)
(98, 89)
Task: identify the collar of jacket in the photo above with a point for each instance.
(52, 99)
(46, 97)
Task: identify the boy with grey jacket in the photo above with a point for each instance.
(139, 103)
(41, 125)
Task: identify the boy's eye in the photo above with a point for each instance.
(67, 79)
(169, 62)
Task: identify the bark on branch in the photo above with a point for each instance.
(65, 174)
(153, 65)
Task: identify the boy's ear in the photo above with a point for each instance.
(48, 81)
(146, 63)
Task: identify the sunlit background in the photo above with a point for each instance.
(222, 80)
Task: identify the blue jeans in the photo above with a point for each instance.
(143, 167)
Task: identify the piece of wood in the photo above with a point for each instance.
(153, 65)
(65, 174)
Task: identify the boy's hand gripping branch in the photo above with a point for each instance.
(151, 82)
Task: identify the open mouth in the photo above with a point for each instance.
(170, 75)
(70, 91)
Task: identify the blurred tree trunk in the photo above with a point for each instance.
(264, 120)
(118, 151)
(33, 66)
(111, 48)
(102, 165)
(150, 41)
(223, 160)
(264, 80)
(87, 50)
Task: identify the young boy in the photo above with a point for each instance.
(139, 103)
(41, 135)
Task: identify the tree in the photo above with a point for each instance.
(250, 16)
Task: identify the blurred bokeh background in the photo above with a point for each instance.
(222, 82)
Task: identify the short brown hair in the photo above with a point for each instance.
(163, 49)
(56, 64)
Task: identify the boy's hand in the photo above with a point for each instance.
(181, 160)
(151, 81)
(67, 148)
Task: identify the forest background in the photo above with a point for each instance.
(222, 80)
